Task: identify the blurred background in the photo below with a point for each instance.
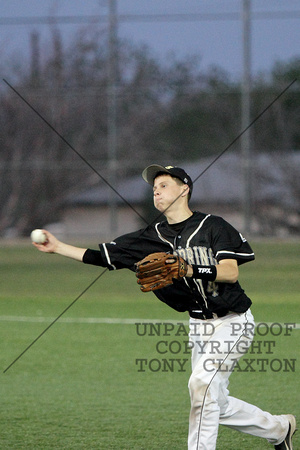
(92, 92)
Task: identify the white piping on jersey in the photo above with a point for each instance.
(197, 229)
(198, 283)
(200, 288)
(161, 237)
(107, 257)
(234, 253)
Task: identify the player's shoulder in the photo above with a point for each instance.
(213, 224)
(129, 238)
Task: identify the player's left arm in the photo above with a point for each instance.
(226, 271)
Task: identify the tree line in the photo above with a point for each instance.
(172, 108)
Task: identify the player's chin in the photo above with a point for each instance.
(159, 207)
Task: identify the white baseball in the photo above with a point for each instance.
(38, 236)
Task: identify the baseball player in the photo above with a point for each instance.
(190, 261)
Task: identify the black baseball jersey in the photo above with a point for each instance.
(203, 239)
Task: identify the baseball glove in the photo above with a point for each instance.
(158, 270)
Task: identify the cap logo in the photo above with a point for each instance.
(169, 167)
(185, 180)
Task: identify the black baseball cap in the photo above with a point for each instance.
(149, 174)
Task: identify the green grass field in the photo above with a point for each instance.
(79, 386)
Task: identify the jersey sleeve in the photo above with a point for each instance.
(93, 257)
(122, 252)
(228, 243)
(130, 248)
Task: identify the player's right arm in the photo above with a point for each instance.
(53, 245)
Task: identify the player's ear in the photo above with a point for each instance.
(186, 190)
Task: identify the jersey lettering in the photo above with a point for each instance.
(197, 255)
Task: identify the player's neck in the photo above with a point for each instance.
(179, 215)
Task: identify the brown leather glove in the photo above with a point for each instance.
(158, 270)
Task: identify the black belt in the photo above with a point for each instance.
(207, 314)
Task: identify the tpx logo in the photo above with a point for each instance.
(204, 270)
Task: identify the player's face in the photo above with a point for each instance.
(167, 192)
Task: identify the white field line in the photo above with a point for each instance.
(118, 321)
(88, 320)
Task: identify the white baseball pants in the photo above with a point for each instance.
(216, 345)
